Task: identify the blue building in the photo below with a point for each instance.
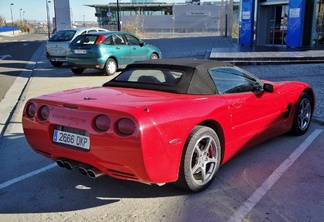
(293, 23)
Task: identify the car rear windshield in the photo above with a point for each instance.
(85, 40)
(64, 35)
(150, 76)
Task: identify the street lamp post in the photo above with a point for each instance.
(20, 18)
(12, 22)
(48, 19)
(118, 19)
(25, 24)
(83, 20)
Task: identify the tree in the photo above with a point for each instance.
(135, 26)
(2, 21)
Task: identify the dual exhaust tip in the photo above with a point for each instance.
(84, 169)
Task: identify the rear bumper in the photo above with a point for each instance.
(56, 58)
(145, 156)
(119, 161)
(95, 63)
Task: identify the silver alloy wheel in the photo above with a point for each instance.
(110, 67)
(200, 160)
(204, 160)
(304, 113)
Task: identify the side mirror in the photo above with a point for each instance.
(141, 44)
(268, 88)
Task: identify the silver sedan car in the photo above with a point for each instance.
(57, 45)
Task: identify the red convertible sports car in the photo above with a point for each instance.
(165, 121)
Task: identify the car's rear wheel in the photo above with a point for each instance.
(201, 159)
(56, 64)
(77, 70)
(154, 56)
(302, 115)
(110, 67)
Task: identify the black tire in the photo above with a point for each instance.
(77, 70)
(302, 115)
(56, 64)
(110, 67)
(199, 163)
(154, 56)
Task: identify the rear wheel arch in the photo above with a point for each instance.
(212, 131)
(114, 58)
(154, 55)
(310, 92)
(303, 113)
(218, 130)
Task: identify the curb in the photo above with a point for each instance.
(12, 98)
(318, 120)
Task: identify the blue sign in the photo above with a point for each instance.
(295, 27)
(247, 22)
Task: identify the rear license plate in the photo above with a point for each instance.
(71, 139)
(80, 51)
(58, 59)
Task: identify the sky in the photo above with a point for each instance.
(36, 9)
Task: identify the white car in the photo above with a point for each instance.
(57, 45)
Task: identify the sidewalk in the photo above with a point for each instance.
(228, 49)
(11, 34)
(267, 54)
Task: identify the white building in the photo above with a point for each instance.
(155, 17)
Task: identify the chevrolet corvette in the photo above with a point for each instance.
(165, 121)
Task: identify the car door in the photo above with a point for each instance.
(138, 50)
(255, 114)
(122, 50)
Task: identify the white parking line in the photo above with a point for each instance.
(247, 206)
(18, 179)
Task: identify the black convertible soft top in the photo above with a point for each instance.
(195, 79)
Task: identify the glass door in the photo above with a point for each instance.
(277, 24)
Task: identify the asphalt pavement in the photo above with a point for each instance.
(22, 198)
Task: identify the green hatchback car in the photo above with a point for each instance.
(108, 51)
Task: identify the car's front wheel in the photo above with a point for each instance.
(56, 64)
(110, 67)
(302, 115)
(154, 56)
(77, 70)
(201, 159)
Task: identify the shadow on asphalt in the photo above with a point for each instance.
(61, 191)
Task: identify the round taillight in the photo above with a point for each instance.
(31, 110)
(102, 123)
(126, 126)
(43, 113)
